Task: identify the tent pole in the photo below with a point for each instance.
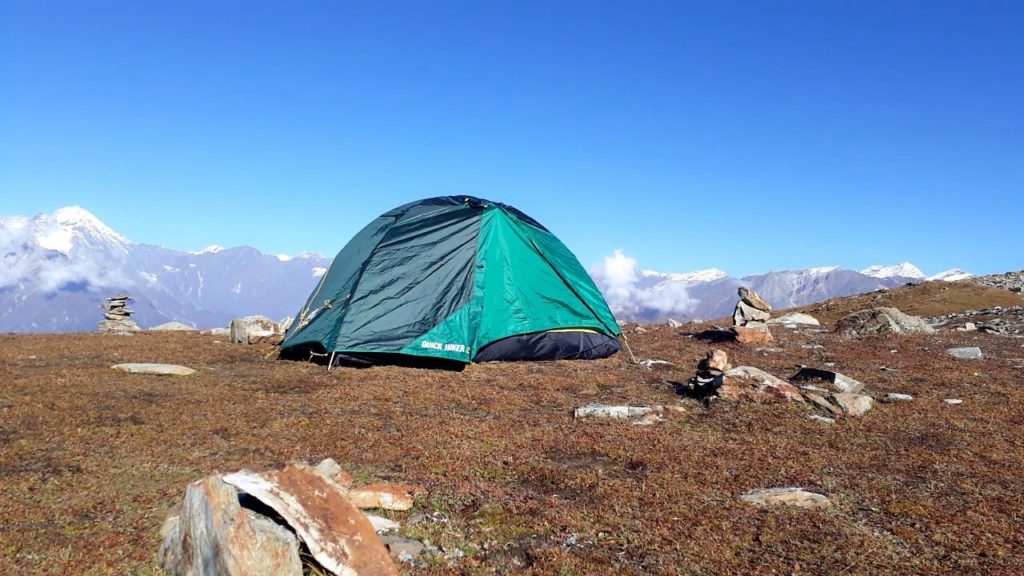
(330, 363)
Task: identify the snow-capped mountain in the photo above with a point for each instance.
(951, 275)
(902, 270)
(57, 268)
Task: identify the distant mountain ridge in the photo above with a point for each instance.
(57, 268)
(650, 296)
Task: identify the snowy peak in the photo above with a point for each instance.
(211, 249)
(902, 270)
(68, 229)
(708, 275)
(950, 275)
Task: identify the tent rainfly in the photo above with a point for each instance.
(453, 280)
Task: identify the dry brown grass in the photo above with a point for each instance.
(91, 459)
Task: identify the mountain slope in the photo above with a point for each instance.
(57, 268)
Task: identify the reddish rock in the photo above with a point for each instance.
(752, 298)
(331, 470)
(717, 360)
(386, 496)
(337, 533)
(752, 336)
(213, 535)
(754, 385)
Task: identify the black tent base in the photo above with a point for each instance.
(559, 345)
(562, 345)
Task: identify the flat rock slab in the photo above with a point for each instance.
(606, 411)
(755, 385)
(837, 382)
(792, 496)
(159, 369)
(966, 353)
(797, 318)
(337, 534)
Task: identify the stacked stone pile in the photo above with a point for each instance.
(750, 318)
(117, 317)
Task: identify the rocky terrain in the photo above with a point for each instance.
(92, 459)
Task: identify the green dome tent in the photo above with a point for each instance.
(453, 280)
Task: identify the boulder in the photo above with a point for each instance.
(836, 381)
(752, 335)
(173, 327)
(337, 534)
(966, 353)
(881, 321)
(793, 496)
(853, 404)
(158, 369)
(755, 385)
(282, 326)
(672, 323)
(745, 313)
(752, 298)
(798, 318)
(239, 331)
(214, 536)
(385, 496)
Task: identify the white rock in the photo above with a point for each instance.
(953, 401)
(966, 353)
(173, 327)
(821, 418)
(382, 525)
(853, 404)
(159, 369)
(897, 397)
(798, 318)
(604, 410)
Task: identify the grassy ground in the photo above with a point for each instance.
(91, 459)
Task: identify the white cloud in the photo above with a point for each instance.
(631, 297)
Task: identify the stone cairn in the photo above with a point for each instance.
(117, 316)
(751, 311)
(750, 318)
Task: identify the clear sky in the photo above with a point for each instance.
(747, 136)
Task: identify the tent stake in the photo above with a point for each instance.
(330, 363)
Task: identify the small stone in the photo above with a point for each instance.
(650, 363)
(966, 353)
(853, 404)
(753, 299)
(331, 470)
(812, 346)
(823, 419)
(648, 419)
(381, 524)
(403, 549)
(952, 401)
(672, 323)
(897, 397)
(824, 404)
(792, 496)
(717, 360)
(159, 369)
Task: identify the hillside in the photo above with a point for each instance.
(92, 459)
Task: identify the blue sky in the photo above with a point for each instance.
(747, 136)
